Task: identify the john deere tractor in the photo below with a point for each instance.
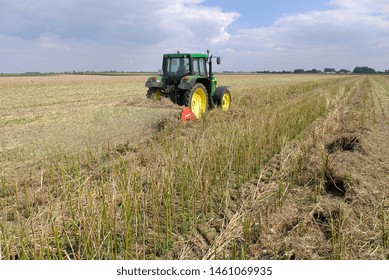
(187, 81)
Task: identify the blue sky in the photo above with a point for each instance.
(261, 13)
(122, 35)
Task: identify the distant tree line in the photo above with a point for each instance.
(107, 73)
(357, 70)
(328, 70)
(364, 70)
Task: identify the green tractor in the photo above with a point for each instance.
(186, 81)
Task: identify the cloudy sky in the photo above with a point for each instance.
(249, 35)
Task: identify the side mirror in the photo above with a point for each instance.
(218, 60)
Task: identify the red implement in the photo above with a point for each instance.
(187, 115)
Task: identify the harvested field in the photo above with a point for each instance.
(296, 169)
(41, 116)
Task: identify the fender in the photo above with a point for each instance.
(155, 82)
(187, 83)
(219, 90)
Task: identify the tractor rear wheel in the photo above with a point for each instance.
(154, 94)
(197, 100)
(223, 99)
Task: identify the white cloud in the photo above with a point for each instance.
(52, 42)
(99, 35)
(227, 50)
(363, 6)
(339, 37)
(148, 28)
(194, 24)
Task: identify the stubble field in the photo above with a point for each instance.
(296, 169)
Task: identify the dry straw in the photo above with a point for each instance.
(182, 192)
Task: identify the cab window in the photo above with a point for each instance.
(202, 64)
(199, 67)
(177, 66)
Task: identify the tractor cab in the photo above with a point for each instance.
(187, 79)
(180, 65)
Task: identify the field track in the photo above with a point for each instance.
(296, 169)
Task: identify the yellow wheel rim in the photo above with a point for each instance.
(157, 95)
(226, 102)
(198, 104)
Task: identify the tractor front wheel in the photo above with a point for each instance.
(197, 100)
(223, 98)
(154, 94)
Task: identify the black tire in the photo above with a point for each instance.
(154, 94)
(196, 99)
(222, 98)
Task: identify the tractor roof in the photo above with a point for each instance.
(194, 55)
